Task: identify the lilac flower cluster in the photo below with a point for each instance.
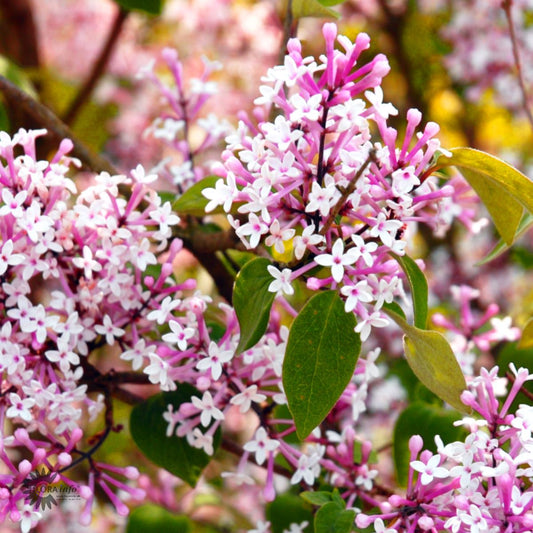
(482, 55)
(480, 485)
(73, 280)
(328, 182)
(181, 127)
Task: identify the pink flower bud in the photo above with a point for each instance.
(363, 520)
(25, 467)
(415, 445)
(64, 459)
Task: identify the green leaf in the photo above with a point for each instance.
(151, 518)
(433, 362)
(331, 518)
(329, 3)
(152, 7)
(148, 429)
(167, 196)
(311, 8)
(17, 75)
(520, 357)
(503, 189)
(419, 289)
(395, 308)
(287, 509)
(526, 341)
(192, 201)
(252, 301)
(427, 421)
(525, 223)
(320, 359)
(319, 497)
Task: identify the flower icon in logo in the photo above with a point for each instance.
(36, 486)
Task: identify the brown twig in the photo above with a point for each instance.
(98, 68)
(507, 6)
(46, 118)
(18, 37)
(289, 29)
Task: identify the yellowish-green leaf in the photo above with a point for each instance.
(311, 8)
(502, 246)
(504, 190)
(433, 362)
(526, 341)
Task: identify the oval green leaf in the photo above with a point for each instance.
(419, 289)
(433, 362)
(152, 518)
(287, 509)
(192, 201)
(320, 359)
(427, 421)
(252, 301)
(148, 430)
(332, 518)
(504, 190)
(319, 497)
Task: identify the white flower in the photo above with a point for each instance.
(360, 292)
(179, 335)
(254, 228)
(322, 198)
(20, 407)
(28, 518)
(203, 442)
(308, 467)
(109, 330)
(307, 108)
(306, 239)
(157, 372)
(7, 257)
(87, 263)
(385, 229)
(214, 360)
(379, 527)
(337, 260)
(166, 307)
(404, 180)
(208, 409)
(374, 320)
(223, 194)
(278, 236)
(137, 354)
(384, 110)
(245, 398)
(430, 470)
(282, 280)
(297, 528)
(261, 445)
(365, 249)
